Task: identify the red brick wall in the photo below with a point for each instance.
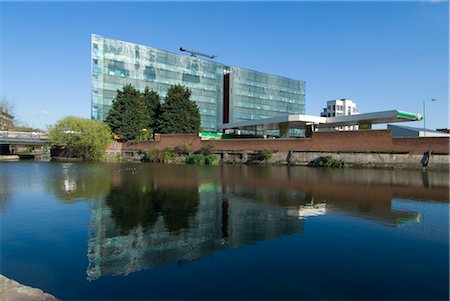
(438, 145)
(350, 141)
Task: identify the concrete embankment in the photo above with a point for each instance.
(11, 290)
(4, 158)
(357, 148)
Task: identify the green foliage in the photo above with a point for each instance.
(183, 149)
(207, 149)
(159, 155)
(132, 112)
(153, 102)
(328, 161)
(178, 115)
(83, 138)
(24, 128)
(212, 160)
(264, 155)
(196, 159)
(201, 159)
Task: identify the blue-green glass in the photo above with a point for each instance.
(116, 63)
(253, 95)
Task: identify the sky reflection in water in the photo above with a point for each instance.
(236, 232)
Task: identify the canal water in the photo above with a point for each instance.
(148, 231)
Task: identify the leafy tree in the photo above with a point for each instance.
(179, 114)
(129, 114)
(82, 138)
(153, 103)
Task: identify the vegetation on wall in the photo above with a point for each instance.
(165, 155)
(81, 138)
(328, 161)
(264, 155)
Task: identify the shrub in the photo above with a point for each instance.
(207, 149)
(183, 149)
(200, 159)
(212, 160)
(196, 159)
(328, 161)
(264, 155)
(159, 155)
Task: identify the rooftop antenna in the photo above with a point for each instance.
(195, 53)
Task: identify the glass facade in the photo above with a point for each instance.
(249, 94)
(257, 95)
(116, 63)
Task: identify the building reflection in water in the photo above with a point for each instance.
(160, 214)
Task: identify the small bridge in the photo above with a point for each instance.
(25, 144)
(23, 138)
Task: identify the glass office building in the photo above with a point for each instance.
(223, 94)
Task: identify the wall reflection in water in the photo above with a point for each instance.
(160, 214)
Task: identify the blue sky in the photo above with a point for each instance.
(383, 55)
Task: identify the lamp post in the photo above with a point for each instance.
(424, 118)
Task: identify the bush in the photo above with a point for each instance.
(80, 137)
(264, 155)
(200, 159)
(159, 155)
(212, 160)
(196, 159)
(183, 149)
(328, 161)
(207, 149)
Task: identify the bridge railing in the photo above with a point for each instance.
(23, 135)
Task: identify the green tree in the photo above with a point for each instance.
(82, 138)
(153, 103)
(179, 114)
(129, 114)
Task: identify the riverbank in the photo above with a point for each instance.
(362, 149)
(11, 290)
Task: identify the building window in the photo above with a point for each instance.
(191, 78)
(149, 73)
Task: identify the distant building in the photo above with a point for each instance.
(408, 131)
(340, 107)
(223, 93)
(6, 120)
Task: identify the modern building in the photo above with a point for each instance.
(408, 131)
(340, 107)
(223, 93)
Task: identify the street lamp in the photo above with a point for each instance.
(424, 118)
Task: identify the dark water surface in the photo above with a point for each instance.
(144, 231)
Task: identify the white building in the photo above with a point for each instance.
(340, 107)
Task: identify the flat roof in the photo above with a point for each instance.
(299, 121)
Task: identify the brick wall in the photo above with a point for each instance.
(438, 145)
(351, 141)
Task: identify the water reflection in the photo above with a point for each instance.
(76, 181)
(4, 190)
(159, 214)
(151, 218)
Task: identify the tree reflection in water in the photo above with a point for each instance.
(131, 207)
(161, 214)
